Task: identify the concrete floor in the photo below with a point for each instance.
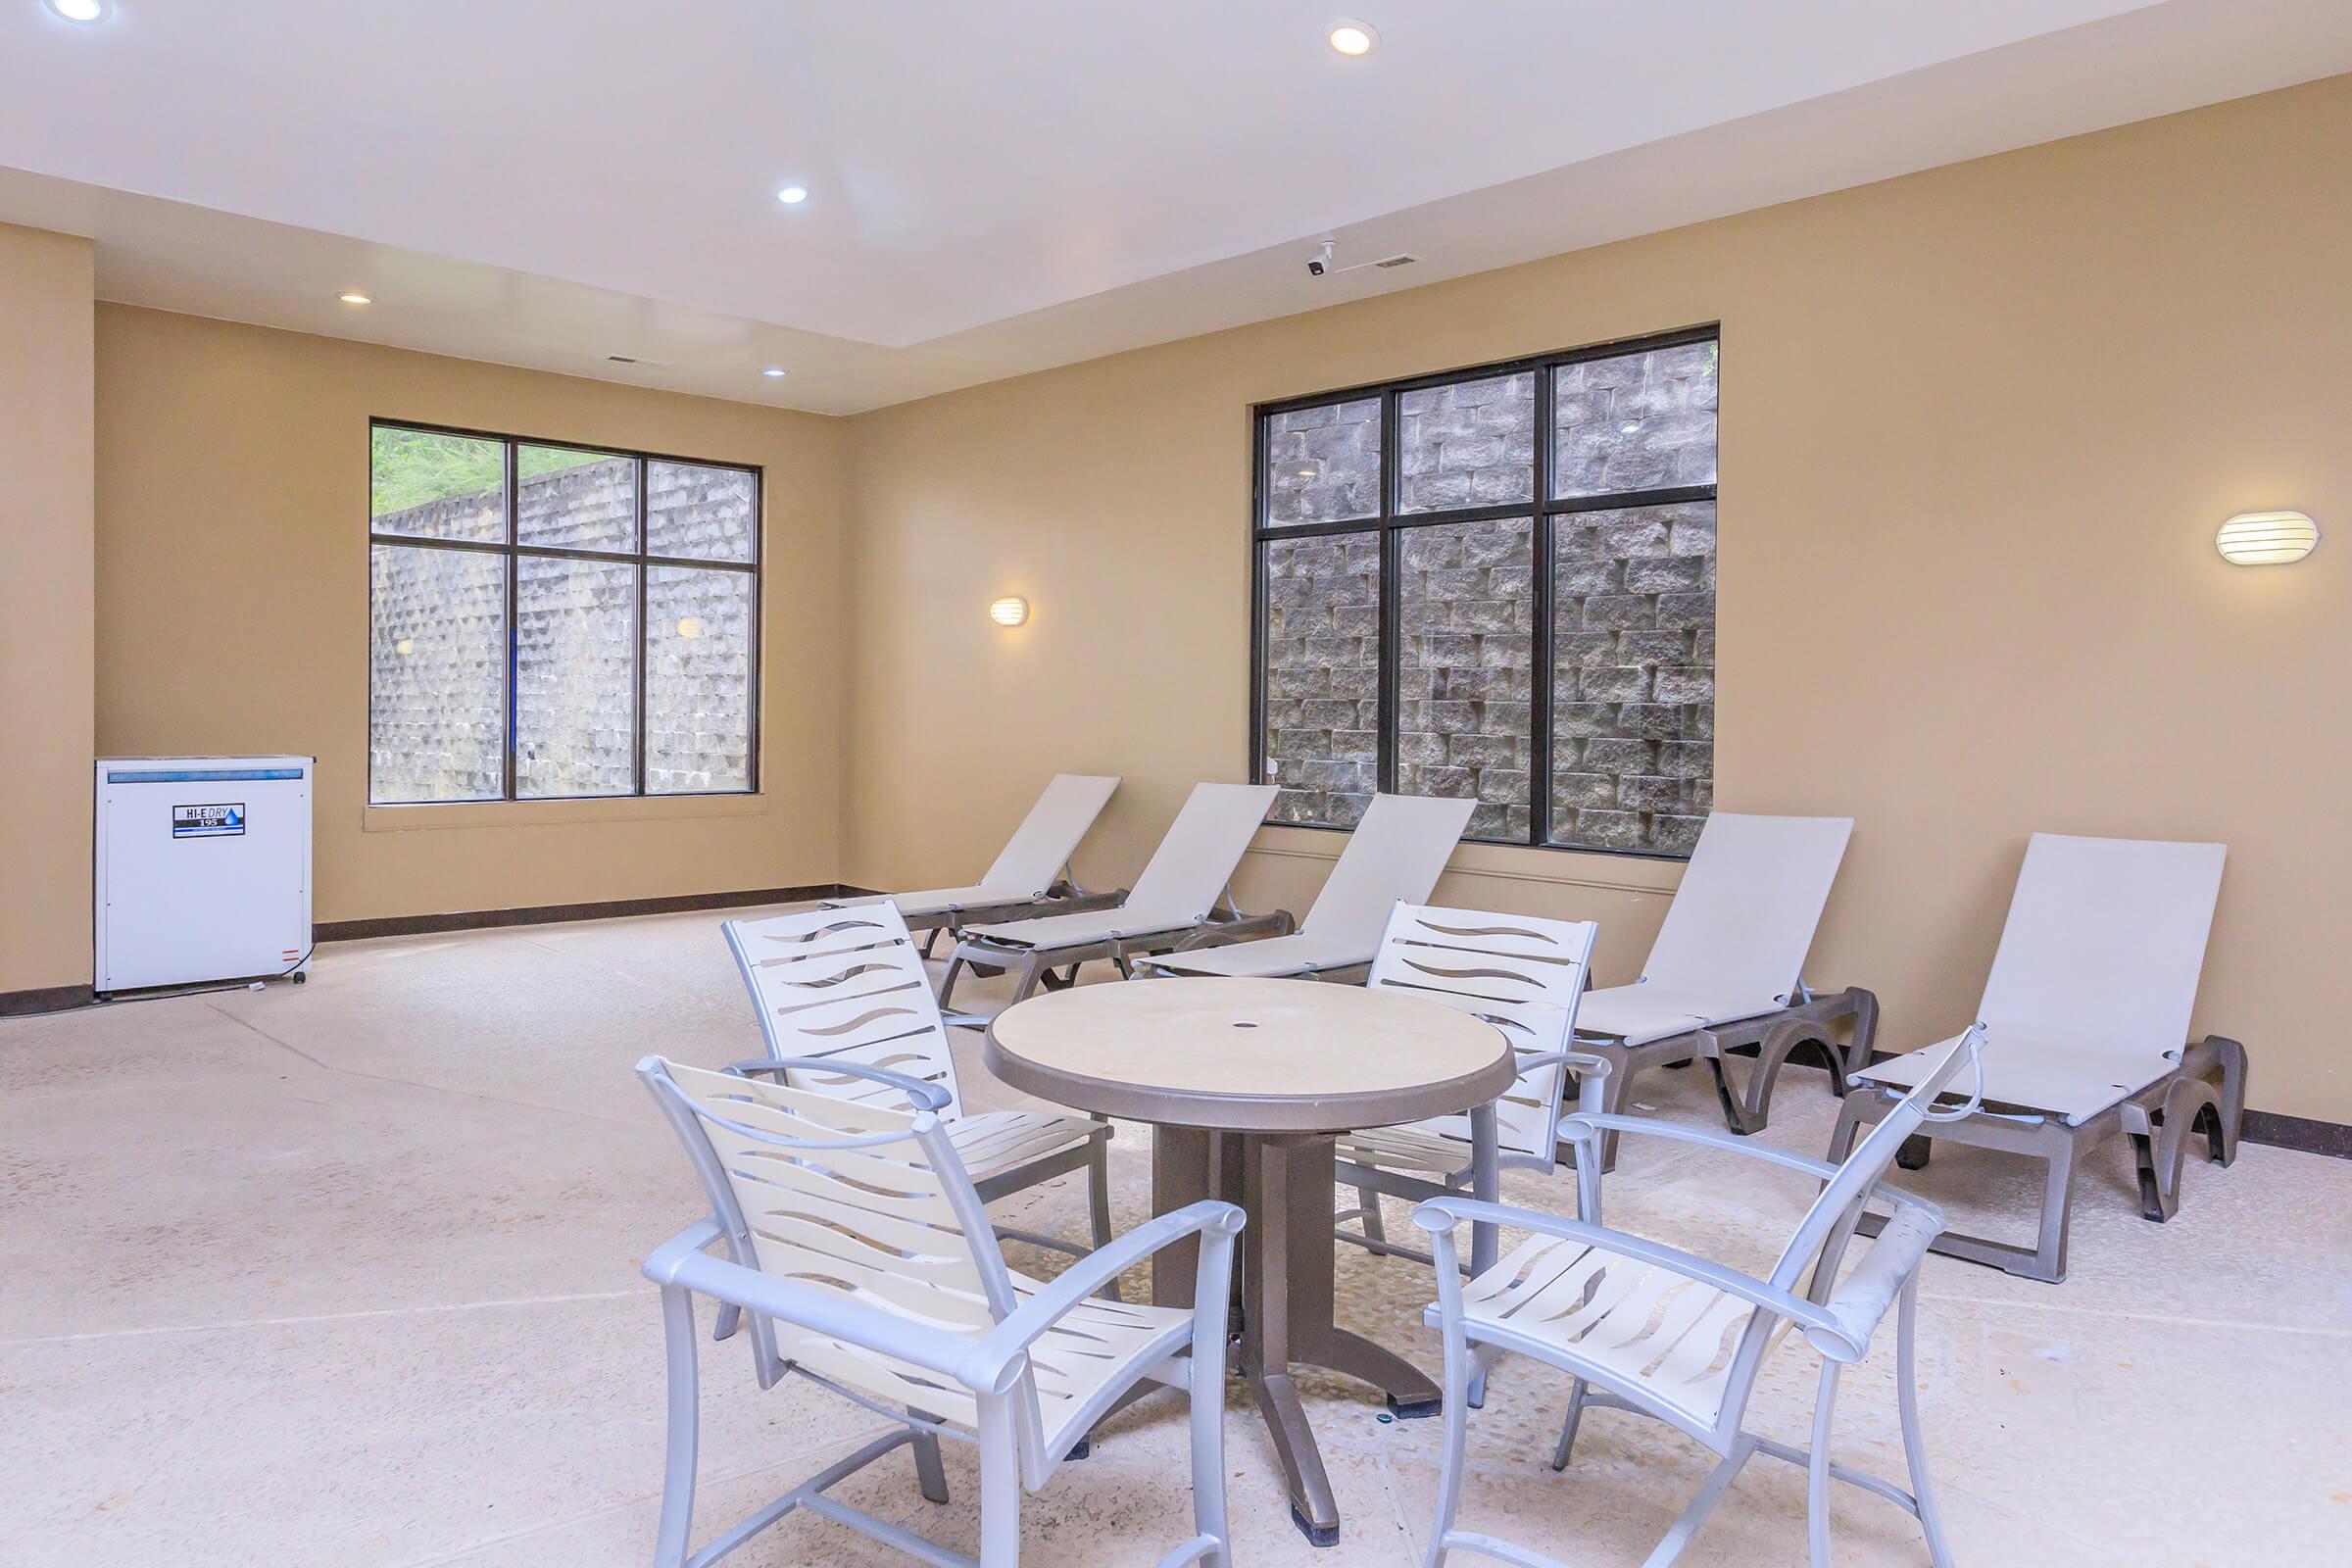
(346, 1273)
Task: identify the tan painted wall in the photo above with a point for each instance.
(1978, 427)
(45, 610)
(232, 607)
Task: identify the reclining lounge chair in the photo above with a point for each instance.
(1177, 894)
(2084, 1017)
(1394, 856)
(1723, 974)
(1031, 875)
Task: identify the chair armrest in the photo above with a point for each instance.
(1241, 928)
(923, 1095)
(992, 1365)
(1589, 1071)
(1584, 1126)
(1860, 1302)
(1439, 1216)
(687, 1266)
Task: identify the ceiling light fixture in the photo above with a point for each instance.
(355, 297)
(793, 195)
(1352, 38)
(83, 11)
(773, 373)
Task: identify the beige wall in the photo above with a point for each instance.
(232, 607)
(1978, 427)
(45, 610)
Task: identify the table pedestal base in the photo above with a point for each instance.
(1283, 1182)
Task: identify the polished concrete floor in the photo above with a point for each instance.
(346, 1273)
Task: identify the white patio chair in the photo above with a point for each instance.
(1394, 854)
(1032, 874)
(1521, 973)
(847, 985)
(1649, 1328)
(1723, 973)
(2087, 1010)
(1178, 893)
(858, 1248)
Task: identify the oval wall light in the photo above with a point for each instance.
(2267, 538)
(1010, 611)
(689, 628)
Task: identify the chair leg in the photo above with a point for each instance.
(1206, 1393)
(1374, 1227)
(677, 1479)
(1574, 1419)
(1449, 1466)
(2232, 1110)
(1817, 1468)
(1686, 1525)
(1850, 1122)
(1915, 1449)
(2057, 1209)
(947, 978)
(1098, 1205)
(999, 1485)
(929, 1473)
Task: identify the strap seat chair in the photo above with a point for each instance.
(1031, 874)
(1393, 855)
(1524, 975)
(1724, 976)
(846, 988)
(1178, 892)
(1642, 1326)
(2087, 1009)
(856, 1246)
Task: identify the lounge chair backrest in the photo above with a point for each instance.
(1395, 853)
(1839, 1204)
(1202, 845)
(1521, 973)
(2103, 945)
(1744, 918)
(846, 985)
(1049, 835)
(847, 1196)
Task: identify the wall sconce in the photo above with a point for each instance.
(1010, 611)
(689, 628)
(2267, 538)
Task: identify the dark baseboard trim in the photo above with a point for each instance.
(2300, 1133)
(44, 999)
(411, 925)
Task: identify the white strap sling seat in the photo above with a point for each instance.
(1523, 974)
(1031, 874)
(1393, 855)
(847, 987)
(856, 1248)
(1723, 976)
(1653, 1329)
(2085, 1015)
(1177, 894)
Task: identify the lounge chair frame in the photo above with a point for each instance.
(991, 1369)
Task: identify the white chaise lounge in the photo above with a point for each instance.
(1178, 893)
(1394, 856)
(1723, 973)
(1031, 875)
(2086, 1018)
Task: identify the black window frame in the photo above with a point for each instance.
(641, 558)
(1391, 525)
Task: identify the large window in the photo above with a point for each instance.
(1498, 585)
(550, 622)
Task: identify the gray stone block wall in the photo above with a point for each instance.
(1322, 676)
(1466, 627)
(1470, 444)
(1637, 421)
(437, 652)
(1323, 465)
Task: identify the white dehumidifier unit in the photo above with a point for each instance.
(204, 869)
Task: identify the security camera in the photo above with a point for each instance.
(1320, 263)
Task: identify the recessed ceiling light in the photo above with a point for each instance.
(772, 373)
(79, 9)
(1352, 37)
(793, 195)
(355, 297)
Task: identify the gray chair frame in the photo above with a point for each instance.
(1838, 1319)
(996, 1369)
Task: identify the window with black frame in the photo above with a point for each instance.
(552, 622)
(1497, 584)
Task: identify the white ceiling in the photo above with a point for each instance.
(998, 187)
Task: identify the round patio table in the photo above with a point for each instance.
(1245, 1083)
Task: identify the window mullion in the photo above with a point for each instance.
(1390, 561)
(644, 547)
(1540, 665)
(514, 488)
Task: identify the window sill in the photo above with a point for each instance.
(556, 813)
(1512, 862)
